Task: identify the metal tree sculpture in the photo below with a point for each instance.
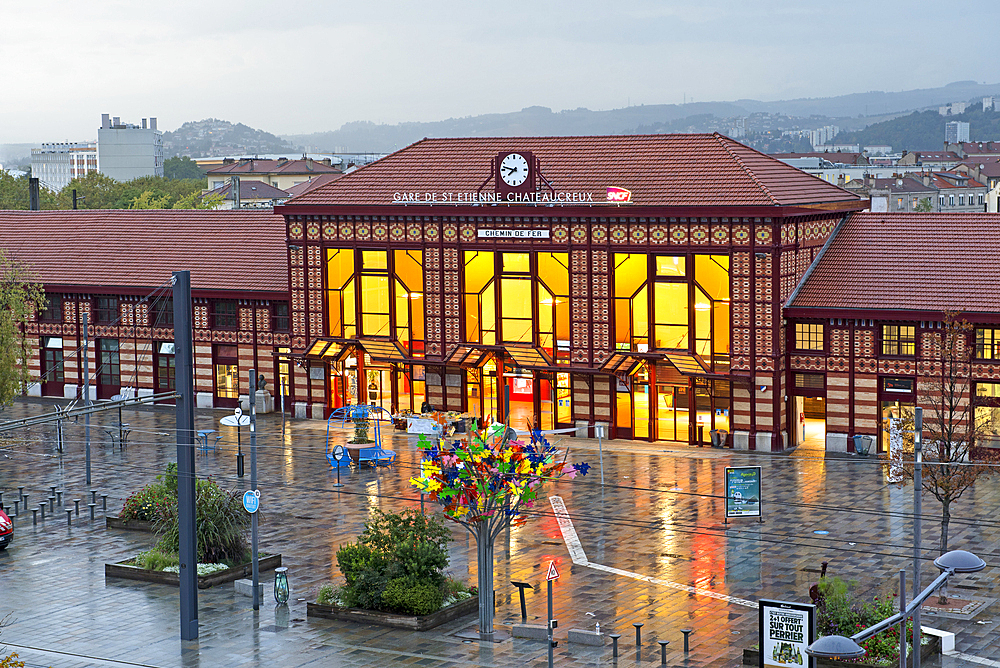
(484, 483)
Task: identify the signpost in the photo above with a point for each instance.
(237, 419)
(786, 629)
(551, 575)
(253, 487)
(339, 452)
(743, 492)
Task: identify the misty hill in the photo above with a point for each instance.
(924, 130)
(844, 110)
(212, 137)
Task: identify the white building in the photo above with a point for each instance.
(127, 151)
(58, 163)
(823, 136)
(952, 108)
(956, 132)
(989, 103)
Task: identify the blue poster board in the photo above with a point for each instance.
(743, 491)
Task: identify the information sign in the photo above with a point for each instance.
(339, 452)
(251, 500)
(786, 629)
(743, 491)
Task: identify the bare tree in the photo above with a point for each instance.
(952, 460)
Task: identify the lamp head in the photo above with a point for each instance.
(960, 561)
(835, 647)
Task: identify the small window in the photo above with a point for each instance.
(810, 381)
(951, 200)
(280, 320)
(53, 309)
(374, 260)
(898, 340)
(808, 336)
(961, 200)
(519, 263)
(224, 314)
(899, 204)
(163, 312)
(987, 344)
(982, 199)
(988, 390)
(106, 312)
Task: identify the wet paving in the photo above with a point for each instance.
(656, 527)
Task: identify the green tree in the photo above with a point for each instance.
(924, 205)
(195, 200)
(149, 200)
(182, 168)
(14, 194)
(18, 299)
(99, 192)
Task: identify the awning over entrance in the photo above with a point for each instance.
(470, 355)
(529, 358)
(379, 350)
(691, 365)
(383, 350)
(324, 349)
(622, 364)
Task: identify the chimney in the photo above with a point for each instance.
(841, 180)
(116, 121)
(105, 121)
(33, 194)
(152, 122)
(927, 179)
(327, 161)
(144, 124)
(234, 186)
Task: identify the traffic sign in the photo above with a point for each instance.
(251, 500)
(553, 574)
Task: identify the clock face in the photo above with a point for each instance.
(514, 169)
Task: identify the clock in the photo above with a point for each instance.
(514, 169)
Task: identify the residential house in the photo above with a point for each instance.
(281, 173)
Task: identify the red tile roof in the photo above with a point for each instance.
(254, 166)
(664, 170)
(238, 251)
(250, 190)
(836, 157)
(908, 262)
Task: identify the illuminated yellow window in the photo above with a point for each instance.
(631, 305)
(987, 344)
(898, 340)
(515, 307)
(808, 336)
(553, 305)
(670, 265)
(516, 263)
(409, 300)
(340, 292)
(671, 309)
(374, 305)
(480, 302)
(374, 260)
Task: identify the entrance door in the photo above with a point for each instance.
(227, 376)
(521, 388)
(165, 369)
(378, 389)
(672, 413)
(564, 405)
(546, 401)
(53, 377)
(108, 369)
(283, 374)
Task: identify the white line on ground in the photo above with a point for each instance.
(26, 653)
(579, 557)
(974, 659)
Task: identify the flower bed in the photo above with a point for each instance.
(113, 522)
(129, 571)
(394, 620)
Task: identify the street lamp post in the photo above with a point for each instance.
(839, 647)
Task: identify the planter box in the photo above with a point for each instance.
(129, 572)
(467, 607)
(113, 522)
(751, 657)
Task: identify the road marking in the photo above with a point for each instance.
(974, 659)
(26, 651)
(579, 557)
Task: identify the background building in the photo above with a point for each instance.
(56, 164)
(956, 132)
(126, 151)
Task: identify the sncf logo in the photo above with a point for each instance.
(619, 195)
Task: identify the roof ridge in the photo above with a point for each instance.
(767, 191)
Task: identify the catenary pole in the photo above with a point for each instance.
(253, 486)
(184, 379)
(86, 393)
(918, 458)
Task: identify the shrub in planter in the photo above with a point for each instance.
(841, 611)
(222, 526)
(396, 565)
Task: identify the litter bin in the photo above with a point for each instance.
(714, 434)
(719, 437)
(863, 445)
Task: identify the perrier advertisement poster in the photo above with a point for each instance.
(786, 629)
(743, 491)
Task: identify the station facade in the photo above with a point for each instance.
(634, 283)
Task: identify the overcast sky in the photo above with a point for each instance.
(296, 67)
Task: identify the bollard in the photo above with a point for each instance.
(104, 502)
(52, 505)
(41, 507)
(16, 503)
(93, 496)
(614, 644)
(76, 502)
(20, 493)
(91, 506)
(69, 517)
(638, 633)
(1, 498)
(686, 632)
(52, 490)
(34, 515)
(58, 497)
(663, 651)
(24, 501)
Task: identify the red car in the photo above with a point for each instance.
(6, 530)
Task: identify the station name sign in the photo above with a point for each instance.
(513, 234)
(492, 198)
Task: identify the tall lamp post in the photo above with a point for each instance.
(839, 647)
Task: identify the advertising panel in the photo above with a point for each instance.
(743, 491)
(786, 629)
